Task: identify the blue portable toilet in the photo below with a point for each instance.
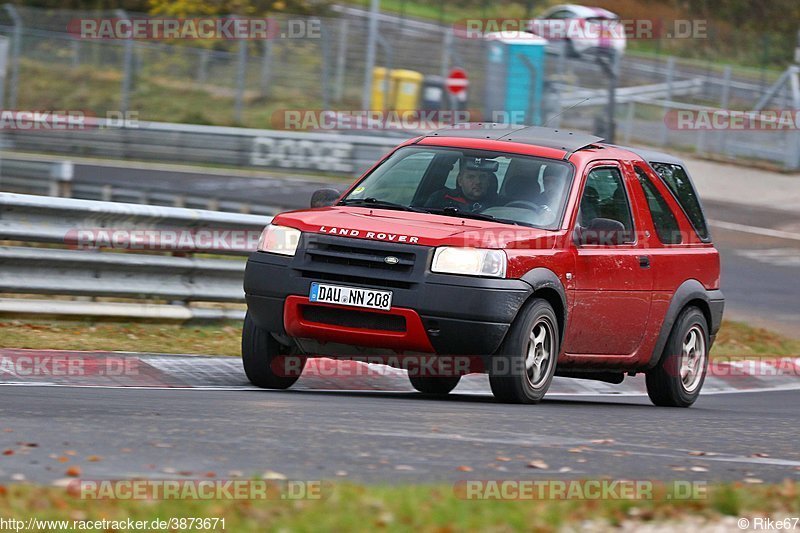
(515, 77)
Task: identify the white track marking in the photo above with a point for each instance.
(755, 230)
(785, 257)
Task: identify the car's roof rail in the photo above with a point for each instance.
(560, 139)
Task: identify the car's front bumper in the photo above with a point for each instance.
(439, 313)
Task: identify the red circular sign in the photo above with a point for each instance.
(457, 81)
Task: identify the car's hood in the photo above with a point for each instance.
(423, 229)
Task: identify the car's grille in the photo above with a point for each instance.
(359, 261)
(353, 319)
(335, 254)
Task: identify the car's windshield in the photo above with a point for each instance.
(509, 188)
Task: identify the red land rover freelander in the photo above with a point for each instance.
(531, 251)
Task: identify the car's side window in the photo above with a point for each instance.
(563, 14)
(667, 228)
(604, 196)
(681, 187)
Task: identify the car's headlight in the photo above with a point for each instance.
(470, 261)
(279, 240)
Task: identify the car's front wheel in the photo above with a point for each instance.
(677, 379)
(523, 368)
(267, 363)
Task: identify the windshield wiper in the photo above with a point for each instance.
(380, 204)
(456, 212)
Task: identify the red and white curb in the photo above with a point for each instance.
(143, 370)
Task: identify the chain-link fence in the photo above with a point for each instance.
(324, 66)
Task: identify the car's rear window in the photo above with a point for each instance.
(681, 187)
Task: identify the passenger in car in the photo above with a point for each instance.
(552, 190)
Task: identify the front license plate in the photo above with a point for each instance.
(353, 296)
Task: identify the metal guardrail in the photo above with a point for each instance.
(624, 95)
(188, 143)
(84, 267)
(55, 178)
(30, 218)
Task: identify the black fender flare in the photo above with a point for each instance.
(688, 291)
(544, 278)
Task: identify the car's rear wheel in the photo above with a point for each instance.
(523, 368)
(267, 363)
(677, 379)
(434, 384)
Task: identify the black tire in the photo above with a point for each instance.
(265, 359)
(511, 378)
(434, 384)
(670, 384)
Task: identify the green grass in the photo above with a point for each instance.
(154, 98)
(217, 339)
(350, 507)
(735, 339)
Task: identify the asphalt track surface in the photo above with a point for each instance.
(391, 437)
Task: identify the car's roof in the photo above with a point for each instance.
(556, 138)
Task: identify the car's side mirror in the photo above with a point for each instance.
(603, 231)
(324, 197)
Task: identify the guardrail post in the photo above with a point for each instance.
(16, 50)
(61, 179)
(107, 193)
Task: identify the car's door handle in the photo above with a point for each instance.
(644, 261)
